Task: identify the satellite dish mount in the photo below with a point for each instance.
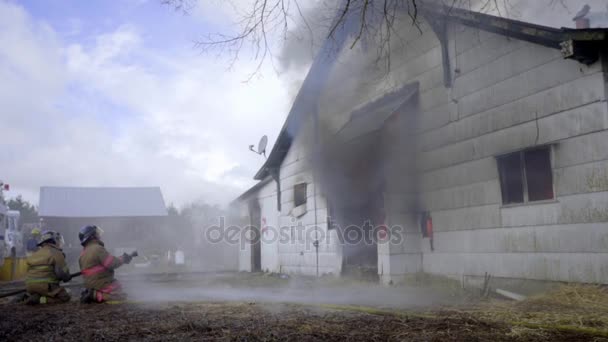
(261, 146)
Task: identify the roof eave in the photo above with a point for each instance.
(583, 45)
(251, 190)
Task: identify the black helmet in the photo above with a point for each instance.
(50, 236)
(87, 233)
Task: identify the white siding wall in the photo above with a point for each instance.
(510, 95)
(506, 95)
(270, 228)
(266, 196)
(298, 255)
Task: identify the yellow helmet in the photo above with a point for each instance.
(35, 231)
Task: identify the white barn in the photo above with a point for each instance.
(486, 145)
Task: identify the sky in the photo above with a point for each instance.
(115, 93)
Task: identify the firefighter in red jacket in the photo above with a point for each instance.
(97, 267)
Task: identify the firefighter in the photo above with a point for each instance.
(31, 245)
(97, 267)
(45, 269)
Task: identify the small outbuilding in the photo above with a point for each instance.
(131, 217)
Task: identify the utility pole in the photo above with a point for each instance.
(316, 157)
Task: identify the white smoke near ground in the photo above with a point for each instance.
(223, 287)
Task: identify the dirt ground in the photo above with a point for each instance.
(239, 307)
(251, 322)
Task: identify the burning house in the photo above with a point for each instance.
(483, 149)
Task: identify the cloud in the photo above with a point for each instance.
(110, 111)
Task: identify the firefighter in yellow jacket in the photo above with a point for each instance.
(46, 268)
(97, 267)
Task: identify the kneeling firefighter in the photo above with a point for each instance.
(97, 267)
(46, 267)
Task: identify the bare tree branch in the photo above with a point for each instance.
(268, 21)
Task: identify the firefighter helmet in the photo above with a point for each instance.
(50, 236)
(89, 232)
(35, 232)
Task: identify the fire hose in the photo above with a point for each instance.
(73, 275)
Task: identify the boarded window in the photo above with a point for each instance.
(299, 194)
(526, 176)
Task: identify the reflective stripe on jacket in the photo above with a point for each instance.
(46, 265)
(97, 265)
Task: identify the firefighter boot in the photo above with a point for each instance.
(87, 296)
(33, 299)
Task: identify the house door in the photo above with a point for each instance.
(255, 214)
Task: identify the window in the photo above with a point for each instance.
(299, 194)
(526, 176)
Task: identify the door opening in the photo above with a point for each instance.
(255, 215)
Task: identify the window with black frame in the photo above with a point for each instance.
(526, 176)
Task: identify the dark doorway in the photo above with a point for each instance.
(360, 256)
(358, 168)
(356, 204)
(255, 214)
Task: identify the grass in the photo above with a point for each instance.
(441, 283)
(576, 308)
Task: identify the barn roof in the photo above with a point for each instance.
(101, 202)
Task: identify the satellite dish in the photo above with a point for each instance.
(262, 145)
